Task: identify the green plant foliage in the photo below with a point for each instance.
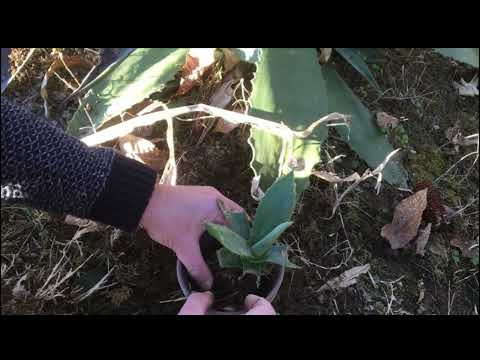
(355, 59)
(229, 239)
(126, 83)
(262, 246)
(272, 219)
(364, 137)
(465, 55)
(275, 208)
(278, 256)
(227, 259)
(288, 87)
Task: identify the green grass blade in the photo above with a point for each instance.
(355, 59)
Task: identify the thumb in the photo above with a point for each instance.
(257, 305)
(196, 265)
(197, 304)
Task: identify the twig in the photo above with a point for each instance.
(454, 165)
(367, 174)
(5, 86)
(79, 89)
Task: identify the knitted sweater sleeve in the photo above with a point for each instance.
(43, 167)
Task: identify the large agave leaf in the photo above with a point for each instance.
(355, 59)
(278, 255)
(466, 55)
(275, 208)
(230, 240)
(364, 137)
(288, 87)
(262, 246)
(126, 83)
(227, 259)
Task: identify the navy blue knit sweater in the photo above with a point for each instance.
(45, 168)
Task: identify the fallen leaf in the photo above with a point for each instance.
(386, 121)
(435, 210)
(469, 247)
(325, 54)
(422, 239)
(197, 62)
(467, 88)
(406, 220)
(60, 63)
(143, 151)
(346, 279)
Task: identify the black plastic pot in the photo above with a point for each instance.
(186, 286)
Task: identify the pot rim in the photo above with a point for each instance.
(184, 283)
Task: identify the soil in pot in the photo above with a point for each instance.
(229, 287)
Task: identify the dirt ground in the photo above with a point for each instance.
(37, 248)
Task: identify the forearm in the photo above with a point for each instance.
(53, 171)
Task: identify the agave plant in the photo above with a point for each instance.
(289, 87)
(251, 247)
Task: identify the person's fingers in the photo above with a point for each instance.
(257, 305)
(231, 205)
(196, 265)
(197, 304)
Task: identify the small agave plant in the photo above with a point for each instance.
(252, 247)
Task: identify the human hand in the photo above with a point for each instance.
(199, 303)
(175, 217)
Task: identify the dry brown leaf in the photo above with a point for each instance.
(422, 239)
(346, 279)
(59, 63)
(469, 247)
(197, 62)
(143, 151)
(406, 220)
(386, 121)
(325, 54)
